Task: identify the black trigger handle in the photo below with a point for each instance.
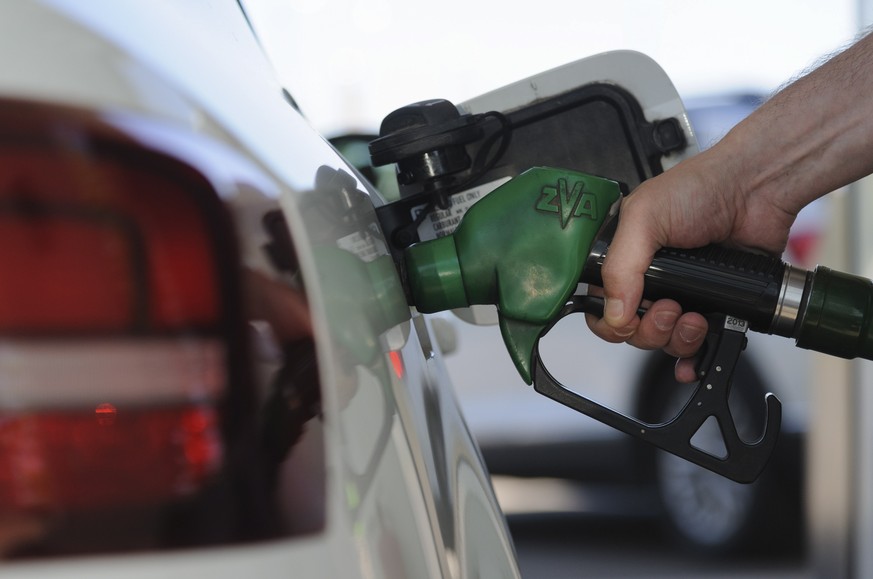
(743, 462)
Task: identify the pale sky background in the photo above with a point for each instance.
(350, 62)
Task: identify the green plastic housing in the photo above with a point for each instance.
(521, 248)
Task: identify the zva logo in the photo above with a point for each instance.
(567, 203)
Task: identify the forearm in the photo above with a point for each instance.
(814, 136)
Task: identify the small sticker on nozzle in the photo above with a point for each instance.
(442, 222)
(736, 324)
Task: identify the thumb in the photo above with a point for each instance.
(629, 255)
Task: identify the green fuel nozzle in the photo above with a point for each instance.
(527, 245)
(521, 248)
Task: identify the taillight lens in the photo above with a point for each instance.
(100, 241)
(112, 360)
(101, 422)
(123, 367)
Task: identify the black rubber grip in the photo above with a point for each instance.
(709, 280)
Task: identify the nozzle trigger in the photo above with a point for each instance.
(743, 462)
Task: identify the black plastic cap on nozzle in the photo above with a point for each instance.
(426, 140)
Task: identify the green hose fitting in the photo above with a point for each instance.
(838, 318)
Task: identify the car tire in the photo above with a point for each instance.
(707, 513)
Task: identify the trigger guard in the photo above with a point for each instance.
(744, 461)
(575, 305)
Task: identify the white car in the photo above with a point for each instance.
(207, 364)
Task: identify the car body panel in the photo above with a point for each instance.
(407, 494)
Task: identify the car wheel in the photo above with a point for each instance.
(706, 512)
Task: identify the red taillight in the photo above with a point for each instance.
(114, 317)
(99, 422)
(131, 413)
(79, 460)
(105, 245)
(92, 259)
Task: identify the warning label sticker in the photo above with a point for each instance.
(442, 222)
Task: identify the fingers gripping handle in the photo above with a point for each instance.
(823, 310)
(743, 462)
(707, 280)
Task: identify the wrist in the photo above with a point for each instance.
(736, 163)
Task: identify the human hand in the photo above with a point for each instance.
(692, 205)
